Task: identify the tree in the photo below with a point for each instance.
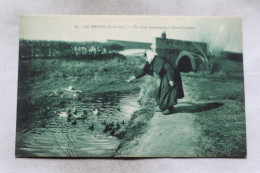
(218, 39)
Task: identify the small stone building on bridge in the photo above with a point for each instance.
(185, 55)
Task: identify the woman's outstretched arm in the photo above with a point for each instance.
(141, 73)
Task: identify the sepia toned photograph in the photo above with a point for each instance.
(130, 86)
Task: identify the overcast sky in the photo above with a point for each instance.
(225, 32)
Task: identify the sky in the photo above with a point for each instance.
(222, 32)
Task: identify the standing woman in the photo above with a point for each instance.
(169, 85)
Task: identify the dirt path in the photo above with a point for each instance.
(173, 135)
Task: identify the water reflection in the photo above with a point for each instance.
(59, 138)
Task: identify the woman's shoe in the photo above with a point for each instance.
(167, 112)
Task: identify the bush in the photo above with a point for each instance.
(47, 49)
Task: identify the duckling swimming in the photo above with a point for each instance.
(69, 115)
(79, 115)
(117, 126)
(106, 129)
(111, 125)
(46, 111)
(91, 127)
(113, 131)
(75, 111)
(63, 114)
(74, 122)
(96, 111)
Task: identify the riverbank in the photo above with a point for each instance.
(42, 83)
(208, 122)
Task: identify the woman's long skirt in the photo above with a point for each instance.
(166, 95)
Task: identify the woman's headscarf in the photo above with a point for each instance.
(150, 55)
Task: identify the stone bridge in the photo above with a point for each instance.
(185, 55)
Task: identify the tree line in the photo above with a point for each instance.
(48, 49)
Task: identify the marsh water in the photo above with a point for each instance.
(56, 137)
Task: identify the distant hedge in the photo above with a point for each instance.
(40, 48)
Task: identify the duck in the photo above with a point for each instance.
(96, 111)
(75, 111)
(123, 122)
(78, 114)
(111, 125)
(91, 127)
(113, 131)
(69, 117)
(117, 126)
(74, 122)
(72, 89)
(46, 111)
(63, 114)
(106, 129)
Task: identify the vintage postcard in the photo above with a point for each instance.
(130, 86)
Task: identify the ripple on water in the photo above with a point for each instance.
(62, 139)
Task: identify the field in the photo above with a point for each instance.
(213, 106)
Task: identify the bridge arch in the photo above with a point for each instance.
(185, 62)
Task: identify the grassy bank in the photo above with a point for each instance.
(135, 129)
(221, 129)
